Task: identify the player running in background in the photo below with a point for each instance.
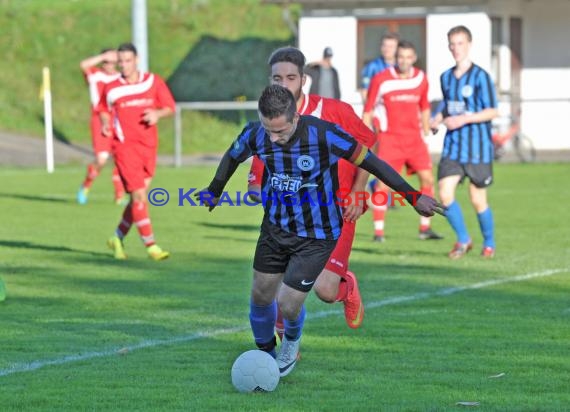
(298, 232)
(336, 283)
(98, 71)
(130, 108)
(397, 99)
(470, 105)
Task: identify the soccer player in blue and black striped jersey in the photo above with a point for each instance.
(303, 218)
(470, 105)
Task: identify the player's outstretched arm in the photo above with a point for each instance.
(211, 194)
(424, 205)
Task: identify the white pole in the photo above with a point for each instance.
(140, 38)
(48, 124)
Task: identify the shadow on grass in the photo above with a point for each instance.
(35, 198)
(35, 246)
(60, 136)
(230, 226)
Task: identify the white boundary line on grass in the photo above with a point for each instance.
(31, 366)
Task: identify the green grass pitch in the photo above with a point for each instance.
(80, 331)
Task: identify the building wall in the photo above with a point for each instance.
(316, 33)
(545, 76)
(546, 73)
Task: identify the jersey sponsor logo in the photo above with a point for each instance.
(282, 182)
(467, 91)
(406, 98)
(455, 107)
(137, 103)
(305, 163)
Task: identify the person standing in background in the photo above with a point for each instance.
(98, 71)
(387, 58)
(130, 108)
(470, 105)
(324, 77)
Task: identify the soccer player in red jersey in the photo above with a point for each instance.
(335, 283)
(397, 99)
(130, 108)
(99, 70)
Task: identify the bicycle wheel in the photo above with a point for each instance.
(524, 148)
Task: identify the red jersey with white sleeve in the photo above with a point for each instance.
(337, 112)
(126, 102)
(96, 80)
(396, 104)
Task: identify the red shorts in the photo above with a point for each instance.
(135, 163)
(415, 156)
(101, 144)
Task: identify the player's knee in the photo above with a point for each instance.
(259, 297)
(289, 310)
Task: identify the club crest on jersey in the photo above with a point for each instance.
(467, 91)
(236, 145)
(305, 163)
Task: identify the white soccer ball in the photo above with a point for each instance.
(255, 371)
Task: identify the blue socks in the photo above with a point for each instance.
(455, 219)
(487, 227)
(262, 320)
(294, 328)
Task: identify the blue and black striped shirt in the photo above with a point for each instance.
(473, 92)
(301, 182)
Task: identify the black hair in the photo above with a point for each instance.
(288, 54)
(127, 47)
(277, 101)
(405, 44)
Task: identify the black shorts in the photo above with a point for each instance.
(301, 259)
(481, 174)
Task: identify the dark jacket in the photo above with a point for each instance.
(314, 70)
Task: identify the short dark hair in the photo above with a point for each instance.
(277, 101)
(389, 36)
(460, 29)
(405, 44)
(288, 54)
(105, 50)
(127, 47)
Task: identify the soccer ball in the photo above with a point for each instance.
(255, 371)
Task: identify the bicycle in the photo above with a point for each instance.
(524, 148)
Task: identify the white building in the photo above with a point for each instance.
(522, 43)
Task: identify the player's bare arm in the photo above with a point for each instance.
(92, 61)
(455, 122)
(105, 124)
(426, 129)
(152, 116)
(367, 120)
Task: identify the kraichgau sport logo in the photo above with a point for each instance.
(305, 163)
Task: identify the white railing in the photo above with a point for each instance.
(247, 105)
